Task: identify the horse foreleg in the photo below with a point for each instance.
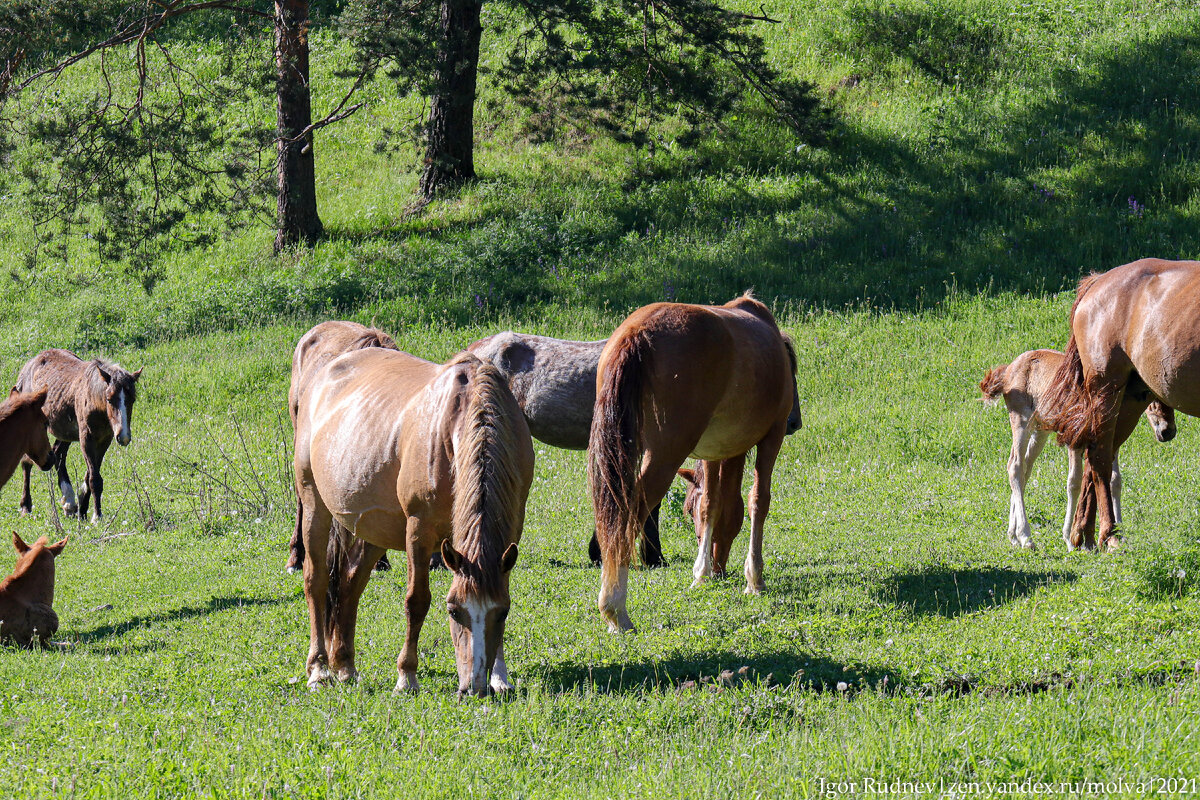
(499, 681)
(357, 559)
(93, 457)
(1074, 486)
(708, 508)
(760, 505)
(26, 504)
(70, 505)
(316, 523)
(1100, 460)
(416, 605)
(1115, 485)
(1018, 521)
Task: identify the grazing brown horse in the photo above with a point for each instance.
(674, 380)
(323, 343)
(554, 383)
(1023, 384)
(1131, 326)
(23, 433)
(403, 453)
(27, 595)
(89, 402)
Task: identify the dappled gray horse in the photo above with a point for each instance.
(554, 382)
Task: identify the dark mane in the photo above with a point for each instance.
(122, 379)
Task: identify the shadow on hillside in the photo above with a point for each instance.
(988, 201)
(214, 605)
(950, 592)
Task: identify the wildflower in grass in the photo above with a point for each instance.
(1136, 209)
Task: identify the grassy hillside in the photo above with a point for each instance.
(986, 155)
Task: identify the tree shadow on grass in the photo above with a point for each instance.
(952, 592)
(214, 605)
(1018, 198)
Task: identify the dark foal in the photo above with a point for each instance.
(90, 402)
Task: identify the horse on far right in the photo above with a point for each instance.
(1135, 324)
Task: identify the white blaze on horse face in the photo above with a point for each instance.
(123, 435)
(473, 669)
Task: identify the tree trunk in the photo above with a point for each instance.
(450, 155)
(296, 216)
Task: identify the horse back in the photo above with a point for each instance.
(68, 388)
(324, 342)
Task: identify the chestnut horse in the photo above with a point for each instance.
(23, 433)
(89, 402)
(1022, 384)
(403, 453)
(674, 380)
(1133, 325)
(323, 343)
(27, 595)
(554, 383)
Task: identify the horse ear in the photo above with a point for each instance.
(40, 395)
(509, 559)
(19, 543)
(451, 557)
(13, 392)
(137, 374)
(57, 547)
(688, 475)
(104, 374)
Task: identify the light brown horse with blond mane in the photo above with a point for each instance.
(407, 454)
(676, 380)
(1134, 325)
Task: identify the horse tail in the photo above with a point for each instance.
(489, 500)
(992, 384)
(615, 447)
(1067, 406)
(338, 559)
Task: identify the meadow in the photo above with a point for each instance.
(986, 155)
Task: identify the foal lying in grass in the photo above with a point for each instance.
(27, 595)
(1023, 384)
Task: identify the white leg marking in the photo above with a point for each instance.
(702, 569)
(1018, 522)
(408, 682)
(1115, 485)
(69, 503)
(1074, 486)
(499, 682)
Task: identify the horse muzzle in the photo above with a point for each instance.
(1165, 435)
(124, 439)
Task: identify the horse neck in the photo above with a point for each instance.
(487, 495)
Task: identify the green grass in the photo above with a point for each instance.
(900, 637)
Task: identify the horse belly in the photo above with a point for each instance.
(728, 438)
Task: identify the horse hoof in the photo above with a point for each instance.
(754, 588)
(290, 570)
(500, 685)
(71, 511)
(25, 512)
(1029, 545)
(347, 675)
(407, 684)
(1113, 544)
(700, 579)
(318, 676)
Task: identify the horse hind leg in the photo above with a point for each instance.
(316, 525)
(351, 561)
(1074, 487)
